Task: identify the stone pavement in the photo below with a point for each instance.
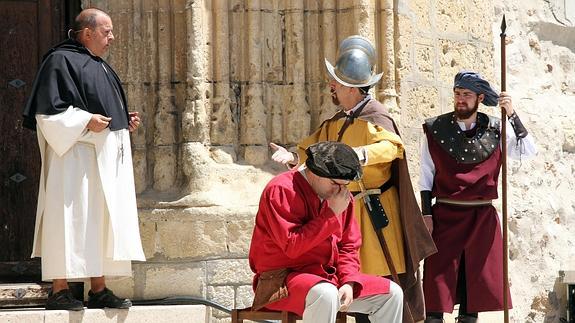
(136, 314)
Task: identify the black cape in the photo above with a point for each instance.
(71, 75)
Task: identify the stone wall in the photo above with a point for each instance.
(217, 80)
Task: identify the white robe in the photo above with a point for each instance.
(87, 217)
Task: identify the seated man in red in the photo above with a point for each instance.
(304, 248)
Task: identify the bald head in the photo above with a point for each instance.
(93, 29)
(87, 19)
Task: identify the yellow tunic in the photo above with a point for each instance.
(382, 148)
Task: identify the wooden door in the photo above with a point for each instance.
(29, 28)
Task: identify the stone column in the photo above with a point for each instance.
(224, 127)
(195, 124)
(137, 102)
(364, 19)
(387, 93)
(296, 109)
(253, 116)
(329, 43)
(165, 119)
(196, 162)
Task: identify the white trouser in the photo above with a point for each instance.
(322, 305)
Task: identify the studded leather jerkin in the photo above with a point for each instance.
(465, 149)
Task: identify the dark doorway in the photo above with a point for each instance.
(29, 29)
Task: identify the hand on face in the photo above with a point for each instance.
(339, 200)
(506, 103)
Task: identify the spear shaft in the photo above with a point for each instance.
(504, 177)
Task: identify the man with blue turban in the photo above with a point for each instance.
(460, 162)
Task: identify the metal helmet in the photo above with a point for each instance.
(355, 64)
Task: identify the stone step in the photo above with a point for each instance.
(23, 294)
(136, 314)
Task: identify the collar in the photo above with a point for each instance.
(366, 98)
(462, 125)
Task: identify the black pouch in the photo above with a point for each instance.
(376, 211)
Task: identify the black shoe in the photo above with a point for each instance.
(106, 298)
(431, 319)
(466, 319)
(63, 300)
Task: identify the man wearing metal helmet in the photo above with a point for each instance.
(364, 124)
(304, 249)
(460, 162)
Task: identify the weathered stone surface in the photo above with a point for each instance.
(244, 296)
(122, 286)
(140, 169)
(569, 139)
(174, 280)
(423, 102)
(229, 272)
(451, 16)
(223, 295)
(148, 233)
(422, 11)
(256, 155)
(425, 60)
(165, 167)
(454, 56)
(239, 236)
(191, 239)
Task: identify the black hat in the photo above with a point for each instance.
(474, 82)
(332, 159)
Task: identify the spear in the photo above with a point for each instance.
(504, 176)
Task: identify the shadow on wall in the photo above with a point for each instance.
(557, 34)
(555, 304)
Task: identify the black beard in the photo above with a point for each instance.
(462, 115)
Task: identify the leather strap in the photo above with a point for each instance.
(426, 203)
(518, 127)
(349, 120)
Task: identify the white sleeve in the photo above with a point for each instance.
(519, 149)
(62, 130)
(427, 167)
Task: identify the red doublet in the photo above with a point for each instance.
(294, 229)
(472, 231)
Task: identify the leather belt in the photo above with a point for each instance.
(462, 202)
(387, 185)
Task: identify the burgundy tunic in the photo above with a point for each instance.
(470, 231)
(294, 229)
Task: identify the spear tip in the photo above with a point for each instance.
(503, 25)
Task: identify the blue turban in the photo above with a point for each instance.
(474, 82)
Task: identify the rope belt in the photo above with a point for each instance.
(463, 203)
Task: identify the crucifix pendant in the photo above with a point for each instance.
(122, 152)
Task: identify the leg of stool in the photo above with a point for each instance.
(288, 317)
(235, 317)
(341, 317)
